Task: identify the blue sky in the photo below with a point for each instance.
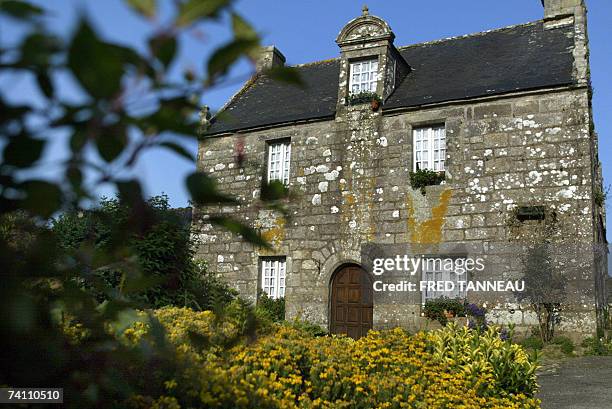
(305, 31)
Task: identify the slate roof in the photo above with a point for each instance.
(522, 57)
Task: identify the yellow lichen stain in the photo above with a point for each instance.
(274, 235)
(350, 199)
(430, 230)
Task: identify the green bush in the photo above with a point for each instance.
(308, 327)
(164, 254)
(270, 308)
(533, 342)
(435, 309)
(425, 177)
(567, 346)
(597, 346)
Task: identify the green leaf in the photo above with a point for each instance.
(37, 49)
(22, 151)
(144, 7)
(95, 64)
(203, 190)
(42, 198)
(193, 10)
(20, 9)
(223, 58)
(112, 143)
(141, 283)
(174, 115)
(286, 74)
(242, 29)
(249, 234)
(178, 149)
(45, 84)
(78, 140)
(164, 48)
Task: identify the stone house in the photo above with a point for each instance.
(504, 115)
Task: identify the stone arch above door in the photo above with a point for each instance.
(351, 301)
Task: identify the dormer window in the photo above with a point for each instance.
(364, 76)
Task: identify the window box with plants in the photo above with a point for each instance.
(365, 97)
(422, 178)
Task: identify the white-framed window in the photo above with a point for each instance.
(429, 148)
(273, 273)
(363, 76)
(435, 269)
(279, 159)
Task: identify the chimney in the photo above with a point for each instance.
(270, 57)
(556, 9)
(559, 13)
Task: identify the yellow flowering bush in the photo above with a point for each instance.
(449, 368)
(495, 366)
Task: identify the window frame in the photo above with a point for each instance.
(277, 269)
(284, 169)
(450, 273)
(371, 82)
(430, 138)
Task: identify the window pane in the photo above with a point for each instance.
(273, 276)
(279, 155)
(363, 76)
(429, 148)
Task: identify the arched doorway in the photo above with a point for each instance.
(351, 302)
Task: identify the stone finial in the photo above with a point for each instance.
(365, 10)
(205, 118)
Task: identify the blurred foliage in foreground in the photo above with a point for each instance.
(132, 99)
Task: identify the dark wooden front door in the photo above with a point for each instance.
(351, 302)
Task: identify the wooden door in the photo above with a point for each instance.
(351, 302)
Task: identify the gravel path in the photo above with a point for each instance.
(577, 383)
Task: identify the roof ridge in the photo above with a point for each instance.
(307, 64)
(460, 37)
(403, 47)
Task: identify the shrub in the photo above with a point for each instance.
(566, 344)
(206, 291)
(425, 177)
(597, 346)
(271, 308)
(436, 309)
(164, 254)
(533, 342)
(162, 248)
(289, 368)
(498, 367)
(545, 289)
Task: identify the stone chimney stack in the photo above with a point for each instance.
(270, 57)
(556, 9)
(558, 13)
